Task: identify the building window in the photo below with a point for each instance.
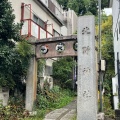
(36, 19)
(40, 22)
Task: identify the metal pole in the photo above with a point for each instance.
(99, 38)
(99, 23)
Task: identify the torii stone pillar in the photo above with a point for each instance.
(31, 82)
(87, 83)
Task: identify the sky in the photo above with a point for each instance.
(108, 11)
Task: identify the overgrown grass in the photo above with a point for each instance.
(13, 111)
(40, 115)
(74, 118)
(109, 112)
(48, 100)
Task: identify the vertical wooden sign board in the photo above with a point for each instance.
(87, 92)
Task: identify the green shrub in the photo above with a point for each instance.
(54, 98)
(62, 72)
(109, 112)
(46, 101)
(74, 118)
(13, 111)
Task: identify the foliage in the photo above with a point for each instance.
(107, 108)
(8, 29)
(14, 60)
(20, 68)
(14, 110)
(82, 7)
(108, 55)
(14, 64)
(119, 105)
(104, 4)
(41, 64)
(40, 115)
(63, 3)
(74, 117)
(53, 98)
(62, 71)
(78, 6)
(50, 99)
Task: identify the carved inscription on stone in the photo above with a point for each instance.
(87, 83)
(85, 50)
(86, 94)
(86, 30)
(86, 71)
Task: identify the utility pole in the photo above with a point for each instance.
(100, 72)
(99, 23)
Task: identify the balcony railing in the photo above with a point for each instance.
(30, 28)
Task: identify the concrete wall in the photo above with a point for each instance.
(45, 2)
(71, 19)
(74, 22)
(64, 31)
(58, 10)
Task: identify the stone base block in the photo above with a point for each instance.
(100, 116)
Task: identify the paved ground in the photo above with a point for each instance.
(66, 113)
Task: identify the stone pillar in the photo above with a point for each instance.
(4, 96)
(87, 83)
(31, 82)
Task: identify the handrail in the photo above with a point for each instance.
(38, 26)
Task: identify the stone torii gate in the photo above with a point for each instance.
(87, 74)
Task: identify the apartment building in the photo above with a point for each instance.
(115, 4)
(41, 19)
(44, 19)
